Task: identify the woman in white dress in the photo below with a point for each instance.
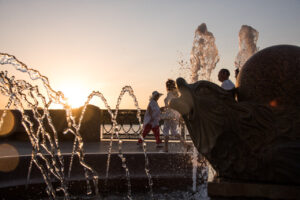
(171, 117)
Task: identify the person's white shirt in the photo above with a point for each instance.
(228, 85)
(153, 105)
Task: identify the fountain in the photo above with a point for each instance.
(204, 58)
(204, 55)
(52, 158)
(253, 144)
(67, 160)
(248, 37)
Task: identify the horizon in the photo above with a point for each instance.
(103, 46)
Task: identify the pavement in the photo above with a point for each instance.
(10, 148)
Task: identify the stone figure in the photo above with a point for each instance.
(257, 138)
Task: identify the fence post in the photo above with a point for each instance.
(101, 124)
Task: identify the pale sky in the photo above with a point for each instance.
(89, 45)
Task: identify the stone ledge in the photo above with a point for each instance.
(227, 190)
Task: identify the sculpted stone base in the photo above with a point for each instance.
(236, 190)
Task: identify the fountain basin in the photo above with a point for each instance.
(169, 171)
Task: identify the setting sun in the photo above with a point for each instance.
(76, 95)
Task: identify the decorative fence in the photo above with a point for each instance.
(128, 125)
(96, 125)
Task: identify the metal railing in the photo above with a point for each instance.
(96, 124)
(129, 127)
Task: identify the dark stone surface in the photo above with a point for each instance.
(90, 128)
(250, 140)
(236, 190)
(91, 121)
(272, 75)
(172, 170)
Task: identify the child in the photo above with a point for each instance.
(151, 118)
(172, 117)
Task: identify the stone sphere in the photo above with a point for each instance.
(272, 76)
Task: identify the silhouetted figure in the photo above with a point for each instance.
(236, 71)
(152, 118)
(227, 84)
(171, 116)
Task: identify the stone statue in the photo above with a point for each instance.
(256, 138)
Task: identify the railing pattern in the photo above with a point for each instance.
(129, 127)
(96, 125)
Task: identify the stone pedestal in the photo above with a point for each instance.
(236, 190)
(89, 130)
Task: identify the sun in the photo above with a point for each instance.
(76, 95)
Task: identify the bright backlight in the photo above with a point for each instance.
(76, 95)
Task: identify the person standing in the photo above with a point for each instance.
(152, 118)
(171, 116)
(236, 72)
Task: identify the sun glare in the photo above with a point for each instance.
(76, 95)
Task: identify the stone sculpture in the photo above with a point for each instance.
(257, 138)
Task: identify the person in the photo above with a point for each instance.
(236, 71)
(171, 116)
(223, 77)
(152, 118)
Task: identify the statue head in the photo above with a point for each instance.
(203, 106)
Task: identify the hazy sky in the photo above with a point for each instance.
(89, 45)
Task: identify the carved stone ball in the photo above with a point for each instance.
(272, 76)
